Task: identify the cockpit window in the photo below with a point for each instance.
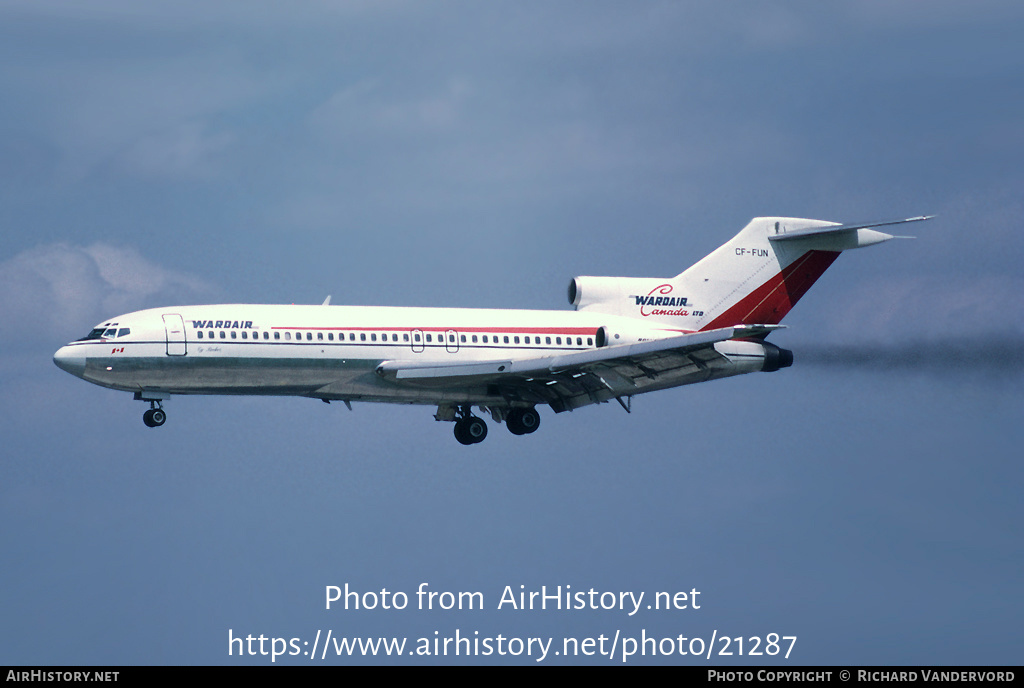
(105, 331)
(95, 334)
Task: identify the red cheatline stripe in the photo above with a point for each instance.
(499, 330)
(769, 303)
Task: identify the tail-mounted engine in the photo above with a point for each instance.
(775, 358)
(612, 295)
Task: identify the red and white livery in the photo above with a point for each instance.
(626, 336)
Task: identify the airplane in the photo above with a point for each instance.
(625, 336)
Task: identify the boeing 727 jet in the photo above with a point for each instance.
(626, 336)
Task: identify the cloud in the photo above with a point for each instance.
(59, 290)
(183, 151)
(367, 107)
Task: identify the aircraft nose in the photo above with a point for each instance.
(69, 360)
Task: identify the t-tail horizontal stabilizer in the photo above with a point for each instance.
(862, 234)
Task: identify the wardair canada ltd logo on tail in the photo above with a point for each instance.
(659, 302)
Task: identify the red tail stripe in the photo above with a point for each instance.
(769, 303)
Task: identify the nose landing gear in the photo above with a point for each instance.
(155, 416)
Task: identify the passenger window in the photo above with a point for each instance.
(517, 340)
(234, 334)
(416, 337)
(405, 337)
(506, 339)
(579, 341)
(244, 335)
(373, 337)
(485, 339)
(362, 336)
(222, 335)
(199, 334)
(474, 339)
(288, 336)
(428, 338)
(590, 341)
(277, 335)
(463, 337)
(451, 338)
(547, 340)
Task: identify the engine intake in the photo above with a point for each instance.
(612, 292)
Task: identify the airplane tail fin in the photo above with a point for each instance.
(755, 278)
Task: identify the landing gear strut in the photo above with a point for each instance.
(155, 416)
(469, 429)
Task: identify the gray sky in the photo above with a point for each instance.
(865, 500)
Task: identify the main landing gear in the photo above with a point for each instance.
(523, 421)
(470, 429)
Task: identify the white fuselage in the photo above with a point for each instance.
(628, 336)
(328, 352)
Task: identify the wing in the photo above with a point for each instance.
(569, 381)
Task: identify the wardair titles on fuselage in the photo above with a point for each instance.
(222, 324)
(659, 300)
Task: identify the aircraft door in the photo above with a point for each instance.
(417, 341)
(451, 341)
(174, 326)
